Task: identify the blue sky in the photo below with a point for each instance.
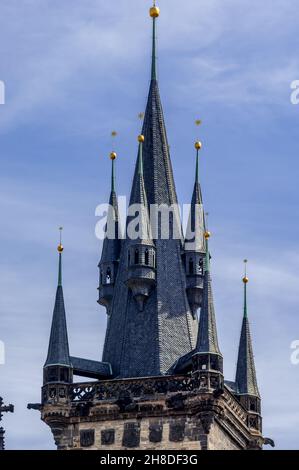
(75, 70)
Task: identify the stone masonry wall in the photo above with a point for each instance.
(183, 433)
(219, 440)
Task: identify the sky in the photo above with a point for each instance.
(76, 70)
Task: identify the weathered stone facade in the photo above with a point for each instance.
(152, 413)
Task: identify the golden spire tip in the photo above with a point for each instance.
(154, 11)
(60, 246)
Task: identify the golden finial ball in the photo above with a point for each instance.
(154, 11)
(198, 145)
(207, 235)
(141, 138)
(60, 248)
(245, 279)
(113, 155)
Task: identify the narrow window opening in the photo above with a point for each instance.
(191, 266)
(108, 276)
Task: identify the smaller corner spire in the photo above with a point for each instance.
(154, 13)
(60, 250)
(198, 146)
(58, 350)
(245, 374)
(113, 156)
(140, 157)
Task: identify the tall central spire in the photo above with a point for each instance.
(148, 331)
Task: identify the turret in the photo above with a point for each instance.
(141, 253)
(108, 264)
(207, 358)
(246, 382)
(194, 247)
(58, 367)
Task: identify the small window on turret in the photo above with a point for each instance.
(64, 374)
(136, 257)
(200, 266)
(252, 405)
(191, 266)
(52, 374)
(146, 257)
(108, 276)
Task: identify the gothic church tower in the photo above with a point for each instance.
(160, 384)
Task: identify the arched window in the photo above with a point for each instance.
(252, 405)
(64, 374)
(191, 266)
(108, 276)
(136, 257)
(200, 266)
(146, 257)
(129, 258)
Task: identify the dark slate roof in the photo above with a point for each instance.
(246, 375)
(148, 343)
(183, 363)
(157, 169)
(89, 368)
(58, 351)
(207, 340)
(232, 386)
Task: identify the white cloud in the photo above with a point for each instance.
(59, 48)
